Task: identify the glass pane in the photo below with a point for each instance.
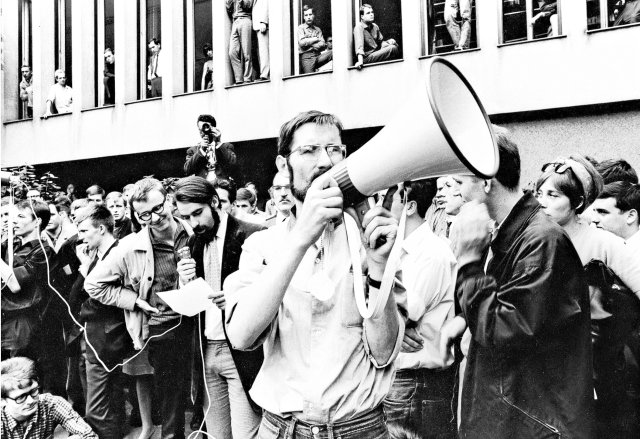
(154, 40)
(514, 21)
(461, 31)
(593, 14)
(318, 56)
(109, 55)
(67, 42)
(202, 28)
(25, 106)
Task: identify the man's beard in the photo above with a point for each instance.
(203, 231)
(301, 194)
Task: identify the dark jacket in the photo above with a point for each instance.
(247, 363)
(529, 367)
(225, 167)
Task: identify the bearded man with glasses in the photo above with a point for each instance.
(143, 265)
(326, 369)
(29, 414)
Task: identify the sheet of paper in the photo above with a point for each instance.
(189, 300)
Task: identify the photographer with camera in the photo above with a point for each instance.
(211, 159)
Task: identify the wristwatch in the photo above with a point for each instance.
(373, 283)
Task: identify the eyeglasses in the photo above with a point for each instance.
(311, 152)
(146, 216)
(281, 188)
(558, 167)
(22, 398)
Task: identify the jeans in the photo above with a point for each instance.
(230, 414)
(370, 425)
(240, 50)
(461, 35)
(168, 355)
(423, 399)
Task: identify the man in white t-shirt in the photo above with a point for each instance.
(60, 97)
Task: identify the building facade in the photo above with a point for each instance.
(573, 89)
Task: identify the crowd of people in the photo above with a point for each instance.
(514, 310)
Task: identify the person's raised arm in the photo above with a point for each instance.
(257, 304)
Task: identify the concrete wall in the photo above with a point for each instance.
(572, 70)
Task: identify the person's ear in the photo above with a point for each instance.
(281, 163)
(215, 203)
(487, 186)
(632, 217)
(412, 207)
(102, 229)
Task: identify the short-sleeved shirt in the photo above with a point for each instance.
(51, 412)
(62, 98)
(366, 39)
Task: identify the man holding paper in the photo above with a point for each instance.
(131, 276)
(216, 247)
(326, 369)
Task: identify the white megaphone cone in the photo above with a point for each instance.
(443, 130)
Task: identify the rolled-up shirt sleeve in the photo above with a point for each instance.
(358, 39)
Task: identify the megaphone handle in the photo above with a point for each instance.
(361, 209)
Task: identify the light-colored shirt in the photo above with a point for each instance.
(26, 91)
(634, 243)
(156, 66)
(593, 243)
(317, 366)
(429, 276)
(213, 316)
(305, 34)
(62, 98)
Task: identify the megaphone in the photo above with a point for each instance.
(443, 130)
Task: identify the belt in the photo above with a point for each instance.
(293, 424)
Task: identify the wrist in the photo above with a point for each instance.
(373, 282)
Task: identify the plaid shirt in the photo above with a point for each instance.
(52, 411)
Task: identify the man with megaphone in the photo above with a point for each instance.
(326, 369)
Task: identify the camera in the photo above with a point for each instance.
(208, 131)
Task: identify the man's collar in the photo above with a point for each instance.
(222, 226)
(413, 242)
(526, 206)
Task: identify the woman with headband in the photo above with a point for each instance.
(565, 189)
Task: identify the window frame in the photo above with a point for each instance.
(529, 8)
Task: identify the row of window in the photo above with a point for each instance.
(449, 26)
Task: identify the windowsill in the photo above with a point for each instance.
(606, 29)
(86, 110)
(305, 75)
(364, 66)
(246, 84)
(454, 52)
(9, 122)
(196, 92)
(517, 43)
(56, 115)
(137, 101)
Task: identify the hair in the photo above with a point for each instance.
(508, 174)
(40, 210)
(143, 187)
(227, 185)
(290, 127)
(63, 207)
(617, 170)
(246, 194)
(207, 118)
(627, 195)
(207, 47)
(570, 185)
(79, 203)
(25, 65)
(155, 41)
(99, 216)
(17, 373)
(62, 199)
(422, 192)
(363, 7)
(57, 72)
(115, 195)
(109, 49)
(306, 8)
(95, 190)
(195, 189)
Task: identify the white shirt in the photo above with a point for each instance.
(634, 243)
(62, 98)
(429, 275)
(213, 316)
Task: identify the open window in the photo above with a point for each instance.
(449, 26)
(526, 20)
(603, 14)
(311, 41)
(63, 39)
(386, 17)
(105, 53)
(151, 64)
(25, 106)
(199, 46)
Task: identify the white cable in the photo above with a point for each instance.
(206, 387)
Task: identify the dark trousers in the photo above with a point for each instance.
(310, 61)
(169, 357)
(105, 401)
(383, 54)
(423, 399)
(156, 87)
